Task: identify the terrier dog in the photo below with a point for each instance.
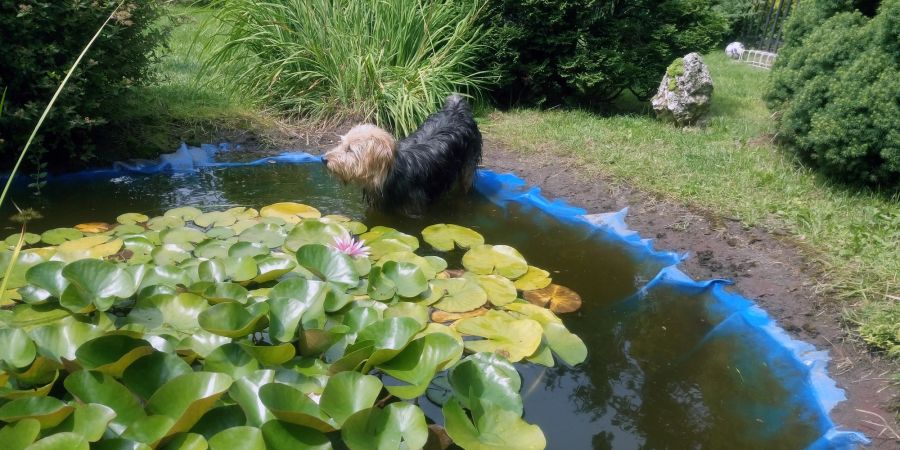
(407, 176)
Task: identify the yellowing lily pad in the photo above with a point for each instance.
(500, 290)
(500, 260)
(132, 218)
(516, 339)
(458, 294)
(558, 299)
(183, 213)
(93, 227)
(443, 237)
(289, 211)
(535, 278)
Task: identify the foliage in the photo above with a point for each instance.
(740, 14)
(391, 61)
(589, 51)
(836, 87)
(48, 37)
(251, 329)
(733, 169)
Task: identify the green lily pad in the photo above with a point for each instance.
(238, 438)
(328, 264)
(226, 292)
(140, 247)
(61, 441)
(184, 212)
(177, 311)
(313, 231)
(17, 350)
(281, 435)
(186, 398)
(215, 219)
(232, 360)
(443, 237)
(271, 355)
(132, 218)
(457, 294)
(290, 301)
(24, 262)
(418, 363)
(494, 429)
(112, 353)
(407, 279)
(500, 291)
(347, 393)
(220, 233)
(103, 389)
(514, 338)
(182, 235)
(245, 249)
(535, 278)
(212, 248)
(569, 347)
(19, 435)
(267, 234)
(388, 337)
(273, 267)
(28, 239)
(48, 411)
(241, 269)
(399, 425)
(212, 270)
(233, 320)
(163, 222)
(293, 406)
(62, 338)
(487, 378)
(91, 420)
(430, 265)
(149, 372)
(57, 236)
(408, 309)
(186, 441)
(245, 391)
(170, 254)
(500, 260)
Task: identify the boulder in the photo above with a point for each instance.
(684, 94)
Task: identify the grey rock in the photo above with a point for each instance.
(684, 93)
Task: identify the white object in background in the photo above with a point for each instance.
(734, 50)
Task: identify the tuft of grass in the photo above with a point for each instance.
(732, 167)
(392, 61)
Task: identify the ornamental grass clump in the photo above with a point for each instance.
(389, 61)
(271, 328)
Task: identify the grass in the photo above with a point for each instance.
(732, 168)
(391, 61)
(183, 106)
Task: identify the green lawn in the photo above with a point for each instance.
(731, 167)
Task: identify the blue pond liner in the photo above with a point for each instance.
(800, 368)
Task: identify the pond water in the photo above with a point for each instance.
(659, 373)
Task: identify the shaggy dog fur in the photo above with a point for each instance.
(407, 176)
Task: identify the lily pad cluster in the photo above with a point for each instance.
(252, 329)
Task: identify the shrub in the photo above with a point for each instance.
(740, 15)
(549, 52)
(835, 89)
(393, 61)
(46, 37)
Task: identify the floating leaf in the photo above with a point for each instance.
(457, 294)
(267, 234)
(349, 392)
(245, 391)
(57, 236)
(17, 436)
(429, 265)
(232, 360)
(170, 254)
(290, 212)
(408, 309)
(242, 268)
(103, 389)
(400, 425)
(289, 301)
(226, 292)
(238, 438)
(419, 362)
(149, 372)
(245, 249)
(328, 264)
(535, 278)
(163, 222)
(61, 441)
(500, 260)
(514, 338)
(494, 429)
(293, 406)
(443, 237)
(558, 299)
(186, 398)
(93, 227)
(216, 219)
(271, 355)
(233, 319)
(48, 411)
(182, 235)
(96, 281)
(178, 311)
(112, 353)
(313, 231)
(563, 342)
(500, 291)
(388, 337)
(17, 350)
(184, 212)
(281, 435)
(62, 338)
(131, 218)
(487, 378)
(273, 267)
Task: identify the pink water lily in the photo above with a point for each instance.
(350, 246)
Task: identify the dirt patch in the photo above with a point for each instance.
(764, 267)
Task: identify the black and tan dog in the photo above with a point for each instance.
(407, 176)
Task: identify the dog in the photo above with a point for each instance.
(407, 176)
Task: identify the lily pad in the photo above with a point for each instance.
(245, 391)
(535, 278)
(558, 299)
(500, 291)
(57, 236)
(93, 227)
(313, 231)
(97, 282)
(112, 353)
(328, 264)
(233, 319)
(163, 222)
(132, 218)
(149, 372)
(399, 425)
(569, 347)
(500, 260)
(494, 429)
(418, 363)
(273, 267)
(281, 435)
(103, 389)
(445, 237)
(215, 219)
(182, 235)
(289, 301)
(485, 378)
(289, 211)
(516, 339)
(347, 393)
(267, 234)
(457, 294)
(49, 277)
(17, 350)
(430, 266)
(238, 438)
(183, 213)
(294, 406)
(17, 436)
(186, 398)
(48, 411)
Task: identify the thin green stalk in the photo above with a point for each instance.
(12, 260)
(50, 105)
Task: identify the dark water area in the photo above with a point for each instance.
(661, 371)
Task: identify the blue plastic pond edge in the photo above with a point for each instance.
(781, 352)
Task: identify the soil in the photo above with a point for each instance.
(765, 265)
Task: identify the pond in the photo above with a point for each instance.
(666, 367)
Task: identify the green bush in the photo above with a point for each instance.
(45, 38)
(836, 91)
(587, 51)
(740, 15)
(393, 61)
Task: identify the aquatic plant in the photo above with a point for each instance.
(269, 329)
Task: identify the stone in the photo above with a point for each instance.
(685, 91)
(734, 50)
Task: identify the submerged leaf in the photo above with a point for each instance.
(558, 299)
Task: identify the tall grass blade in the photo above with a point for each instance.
(62, 85)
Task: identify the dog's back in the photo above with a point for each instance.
(442, 154)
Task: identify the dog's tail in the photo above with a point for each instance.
(455, 101)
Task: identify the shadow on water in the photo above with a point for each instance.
(661, 371)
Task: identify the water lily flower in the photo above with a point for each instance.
(350, 246)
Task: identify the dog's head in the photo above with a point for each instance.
(363, 157)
